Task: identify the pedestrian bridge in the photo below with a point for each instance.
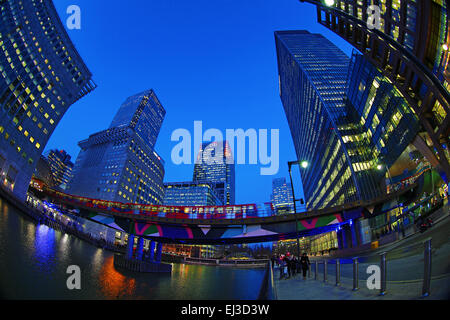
(217, 224)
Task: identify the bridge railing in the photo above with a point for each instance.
(229, 212)
(243, 211)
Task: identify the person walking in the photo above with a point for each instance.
(282, 265)
(289, 263)
(304, 260)
(293, 265)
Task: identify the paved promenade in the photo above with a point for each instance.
(298, 289)
(404, 271)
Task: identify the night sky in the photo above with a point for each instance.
(213, 61)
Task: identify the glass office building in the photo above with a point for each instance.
(61, 167)
(378, 125)
(312, 80)
(190, 194)
(118, 163)
(41, 76)
(215, 165)
(410, 43)
(347, 120)
(144, 114)
(281, 197)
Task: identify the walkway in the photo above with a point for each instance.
(405, 265)
(298, 289)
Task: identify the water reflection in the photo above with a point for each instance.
(35, 260)
(113, 284)
(44, 248)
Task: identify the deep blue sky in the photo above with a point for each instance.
(213, 61)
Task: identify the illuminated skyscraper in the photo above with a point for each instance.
(312, 74)
(215, 165)
(346, 119)
(144, 114)
(119, 163)
(281, 197)
(409, 42)
(190, 194)
(41, 76)
(60, 166)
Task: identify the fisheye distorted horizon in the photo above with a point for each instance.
(207, 61)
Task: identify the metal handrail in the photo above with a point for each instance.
(426, 281)
(267, 290)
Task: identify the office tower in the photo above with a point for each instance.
(379, 124)
(409, 42)
(349, 131)
(312, 79)
(190, 194)
(43, 173)
(281, 197)
(41, 76)
(144, 114)
(119, 163)
(215, 165)
(61, 167)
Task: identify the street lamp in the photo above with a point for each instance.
(380, 167)
(304, 165)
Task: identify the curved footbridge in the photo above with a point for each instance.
(218, 225)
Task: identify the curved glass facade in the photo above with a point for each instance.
(41, 76)
(347, 120)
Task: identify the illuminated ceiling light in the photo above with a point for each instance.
(445, 47)
(329, 3)
(379, 167)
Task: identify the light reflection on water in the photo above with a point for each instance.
(44, 248)
(35, 259)
(114, 284)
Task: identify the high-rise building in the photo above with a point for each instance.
(60, 166)
(43, 172)
(378, 126)
(144, 114)
(41, 76)
(312, 80)
(408, 41)
(347, 120)
(119, 163)
(190, 194)
(281, 198)
(215, 165)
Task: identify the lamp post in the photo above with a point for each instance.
(304, 165)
